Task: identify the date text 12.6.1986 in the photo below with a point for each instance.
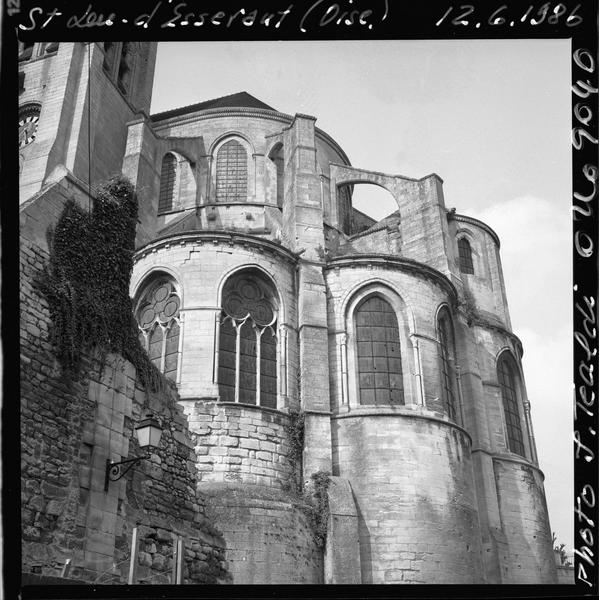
(466, 15)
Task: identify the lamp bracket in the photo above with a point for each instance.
(116, 470)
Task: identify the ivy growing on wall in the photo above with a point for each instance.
(319, 515)
(295, 434)
(86, 281)
(468, 306)
(315, 494)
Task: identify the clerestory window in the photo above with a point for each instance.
(168, 180)
(465, 256)
(231, 172)
(247, 352)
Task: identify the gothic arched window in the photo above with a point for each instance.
(247, 353)
(465, 256)
(231, 173)
(380, 379)
(447, 362)
(508, 382)
(277, 157)
(168, 179)
(157, 316)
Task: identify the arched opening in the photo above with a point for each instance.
(447, 364)
(168, 179)
(507, 375)
(231, 172)
(465, 256)
(247, 349)
(360, 205)
(276, 156)
(380, 378)
(157, 315)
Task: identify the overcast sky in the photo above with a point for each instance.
(491, 117)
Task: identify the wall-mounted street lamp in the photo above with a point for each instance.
(148, 432)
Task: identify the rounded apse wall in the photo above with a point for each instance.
(528, 557)
(412, 480)
(245, 476)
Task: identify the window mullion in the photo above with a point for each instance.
(259, 333)
(238, 327)
(163, 351)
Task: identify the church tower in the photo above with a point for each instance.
(75, 100)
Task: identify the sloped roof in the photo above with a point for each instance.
(238, 100)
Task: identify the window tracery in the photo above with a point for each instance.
(159, 324)
(247, 370)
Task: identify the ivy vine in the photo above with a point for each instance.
(295, 434)
(319, 513)
(86, 281)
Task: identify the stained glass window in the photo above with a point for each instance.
(247, 363)
(158, 320)
(379, 356)
(231, 173)
(465, 256)
(447, 362)
(506, 374)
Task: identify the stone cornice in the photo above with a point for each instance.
(483, 323)
(410, 413)
(393, 262)
(451, 216)
(216, 237)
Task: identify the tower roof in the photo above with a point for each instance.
(238, 100)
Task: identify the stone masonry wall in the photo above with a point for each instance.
(529, 556)
(70, 426)
(421, 524)
(240, 444)
(268, 534)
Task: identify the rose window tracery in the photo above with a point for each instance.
(247, 371)
(158, 320)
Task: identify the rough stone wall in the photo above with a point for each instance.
(246, 472)
(70, 426)
(268, 534)
(421, 524)
(240, 444)
(529, 555)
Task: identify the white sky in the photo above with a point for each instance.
(491, 117)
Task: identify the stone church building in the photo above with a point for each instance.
(268, 299)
